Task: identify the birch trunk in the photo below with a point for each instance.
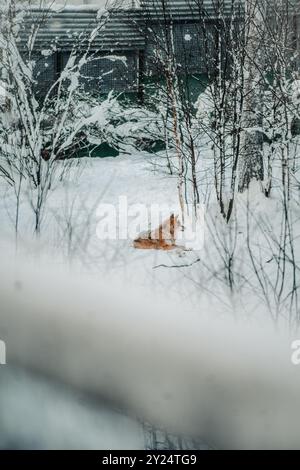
(251, 166)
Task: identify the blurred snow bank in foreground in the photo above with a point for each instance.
(232, 383)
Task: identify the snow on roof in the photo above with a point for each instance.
(64, 26)
(94, 5)
(120, 31)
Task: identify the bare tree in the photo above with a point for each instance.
(39, 133)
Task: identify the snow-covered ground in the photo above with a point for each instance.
(36, 412)
(166, 339)
(72, 216)
(69, 229)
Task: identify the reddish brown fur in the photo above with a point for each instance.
(163, 238)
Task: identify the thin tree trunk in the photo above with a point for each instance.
(252, 159)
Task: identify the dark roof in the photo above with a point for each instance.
(72, 26)
(121, 31)
(189, 9)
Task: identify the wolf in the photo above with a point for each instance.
(162, 238)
